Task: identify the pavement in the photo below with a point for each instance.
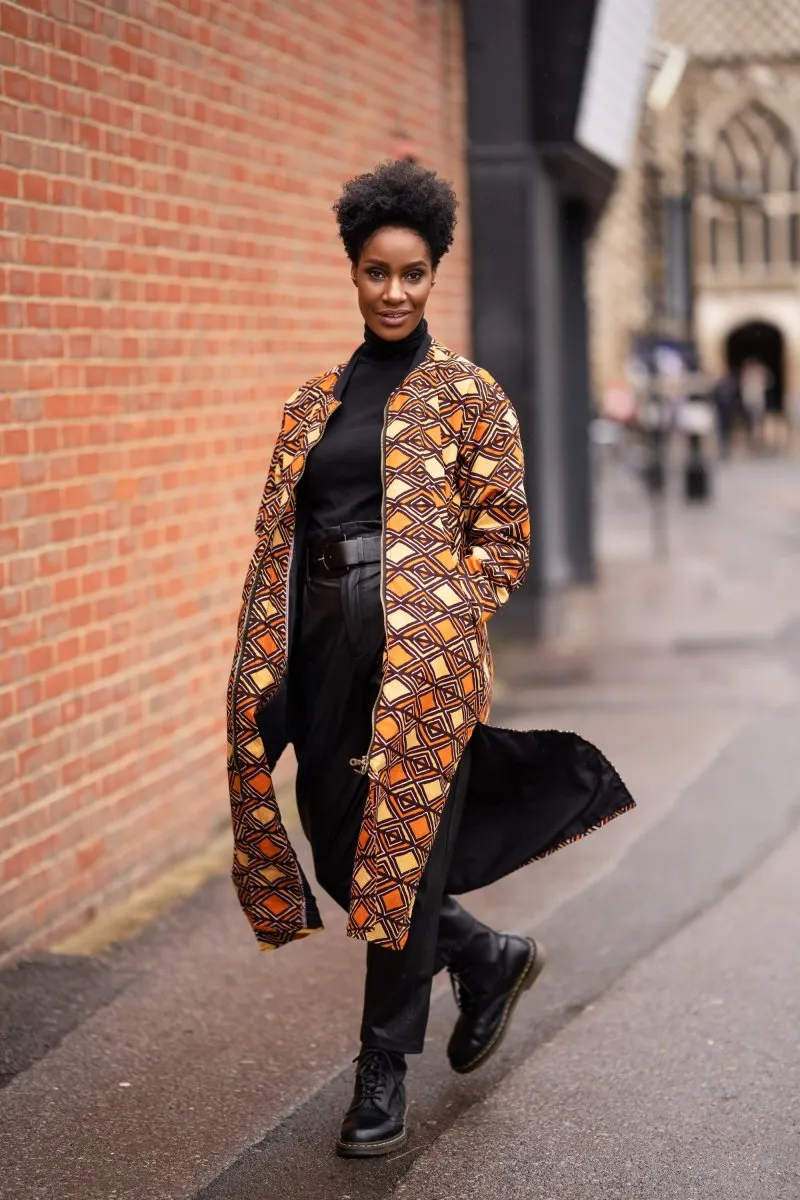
(683, 1081)
(658, 1056)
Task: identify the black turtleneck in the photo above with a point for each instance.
(342, 481)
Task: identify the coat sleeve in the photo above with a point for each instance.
(496, 521)
(274, 475)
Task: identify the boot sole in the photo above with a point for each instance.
(372, 1149)
(526, 980)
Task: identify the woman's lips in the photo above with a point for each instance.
(393, 318)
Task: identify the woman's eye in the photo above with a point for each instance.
(374, 273)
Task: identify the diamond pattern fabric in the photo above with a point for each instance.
(456, 542)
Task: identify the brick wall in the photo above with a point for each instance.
(169, 272)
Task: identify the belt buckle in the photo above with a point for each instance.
(340, 568)
(322, 558)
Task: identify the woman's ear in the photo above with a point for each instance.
(354, 273)
(433, 279)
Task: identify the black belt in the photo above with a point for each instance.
(340, 554)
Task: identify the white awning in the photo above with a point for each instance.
(614, 81)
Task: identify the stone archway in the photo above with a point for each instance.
(764, 342)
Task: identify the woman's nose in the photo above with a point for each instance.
(394, 290)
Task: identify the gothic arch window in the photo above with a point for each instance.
(753, 182)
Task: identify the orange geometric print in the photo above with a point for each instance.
(456, 543)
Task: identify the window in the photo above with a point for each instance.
(752, 182)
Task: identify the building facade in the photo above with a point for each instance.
(169, 273)
(726, 148)
(554, 93)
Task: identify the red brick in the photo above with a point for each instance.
(31, 58)
(86, 16)
(157, 232)
(9, 475)
(9, 182)
(13, 20)
(35, 188)
(71, 41)
(87, 855)
(60, 67)
(22, 283)
(17, 153)
(8, 51)
(17, 86)
(9, 117)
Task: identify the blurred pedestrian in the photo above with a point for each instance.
(754, 382)
(384, 547)
(727, 401)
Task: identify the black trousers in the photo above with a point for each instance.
(334, 677)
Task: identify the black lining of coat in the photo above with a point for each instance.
(530, 792)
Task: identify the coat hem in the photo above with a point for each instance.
(265, 945)
(577, 837)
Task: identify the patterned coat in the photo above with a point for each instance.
(456, 543)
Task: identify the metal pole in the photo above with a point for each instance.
(689, 118)
(655, 472)
(697, 472)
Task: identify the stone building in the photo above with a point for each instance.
(726, 148)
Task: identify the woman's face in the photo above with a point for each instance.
(394, 277)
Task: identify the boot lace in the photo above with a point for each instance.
(372, 1068)
(465, 998)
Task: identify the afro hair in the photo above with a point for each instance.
(400, 195)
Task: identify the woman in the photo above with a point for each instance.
(383, 549)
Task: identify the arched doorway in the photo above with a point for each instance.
(763, 342)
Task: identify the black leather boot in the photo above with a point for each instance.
(375, 1122)
(486, 992)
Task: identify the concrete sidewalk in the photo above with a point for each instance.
(185, 1063)
(682, 1083)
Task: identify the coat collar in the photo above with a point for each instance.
(430, 351)
(305, 419)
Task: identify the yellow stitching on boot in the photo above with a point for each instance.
(507, 1010)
